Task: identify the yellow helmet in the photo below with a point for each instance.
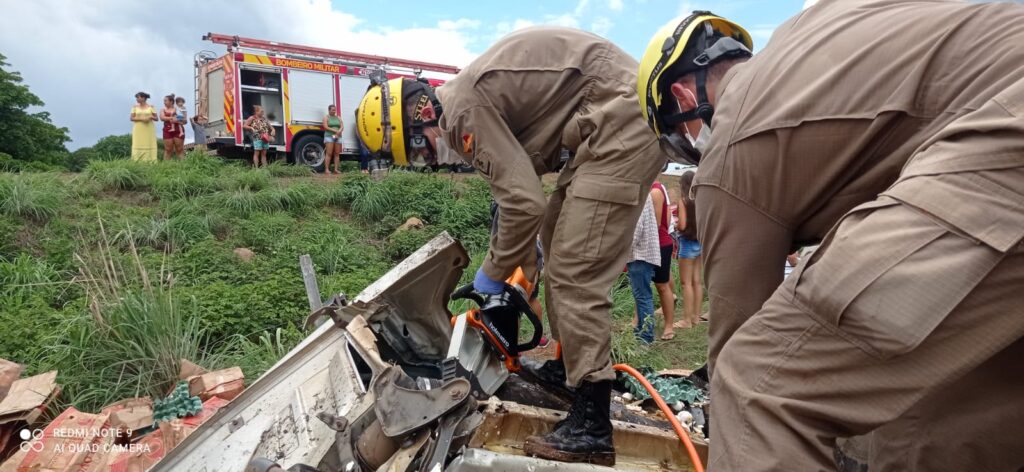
(383, 125)
(687, 45)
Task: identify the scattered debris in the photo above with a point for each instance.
(9, 372)
(28, 398)
(189, 369)
(21, 408)
(371, 390)
(226, 384)
(179, 404)
(122, 437)
(133, 416)
(671, 389)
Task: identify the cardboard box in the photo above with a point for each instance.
(9, 373)
(226, 384)
(152, 447)
(189, 369)
(28, 398)
(74, 441)
(131, 414)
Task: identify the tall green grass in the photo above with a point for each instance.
(24, 277)
(244, 202)
(35, 196)
(119, 175)
(183, 183)
(280, 169)
(130, 341)
(249, 179)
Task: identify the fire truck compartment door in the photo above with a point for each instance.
(310, 93)
(352, 90)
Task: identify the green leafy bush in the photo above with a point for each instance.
(269, 301)
(9, 228)
(9, 164)
(38, 197)
(266, 232)
(27, 323)
(114, 147)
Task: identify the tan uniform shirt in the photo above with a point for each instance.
(512, 111)
(801, 137)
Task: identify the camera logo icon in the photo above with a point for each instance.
(31, 440)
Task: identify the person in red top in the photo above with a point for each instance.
(174, 131)
(663, 275)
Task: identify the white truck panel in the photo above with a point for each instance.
(215, 92)
(310, 94)
(352, 90)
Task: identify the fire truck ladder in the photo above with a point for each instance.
(235, 43)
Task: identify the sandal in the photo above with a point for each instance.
(682, 324)
(668, 336)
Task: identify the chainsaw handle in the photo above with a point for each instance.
(523, 305)
(467, 292)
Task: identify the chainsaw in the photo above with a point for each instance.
(485, 347)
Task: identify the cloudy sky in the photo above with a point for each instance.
(86, 58)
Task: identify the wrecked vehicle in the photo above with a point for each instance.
(373, 389)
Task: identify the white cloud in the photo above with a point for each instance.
(461, 23)
(580, 15)
(602, 26)
(87, 59)
(503, 28)
(581, 8)
(565, 19)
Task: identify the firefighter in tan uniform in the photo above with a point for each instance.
(510, 114)
(893, 133)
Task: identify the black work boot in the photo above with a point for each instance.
(585, 435)
(551, 372)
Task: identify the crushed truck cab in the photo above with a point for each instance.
(364, 391)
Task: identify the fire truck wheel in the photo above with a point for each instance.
(308, 150)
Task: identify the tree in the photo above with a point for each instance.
(24, 135)
(115, 146)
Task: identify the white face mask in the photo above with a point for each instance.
(703, 138)
(700, 143)
(445, 154)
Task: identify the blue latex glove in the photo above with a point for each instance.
(485, 285)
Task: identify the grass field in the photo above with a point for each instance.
(114, 274)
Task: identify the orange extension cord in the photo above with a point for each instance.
(683, 435)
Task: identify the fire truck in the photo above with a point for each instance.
(294, 84)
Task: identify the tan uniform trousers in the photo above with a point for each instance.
(586, 233)
(908, 322)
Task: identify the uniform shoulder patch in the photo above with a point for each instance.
(467, 144)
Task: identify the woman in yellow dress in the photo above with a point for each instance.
(143, 130)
